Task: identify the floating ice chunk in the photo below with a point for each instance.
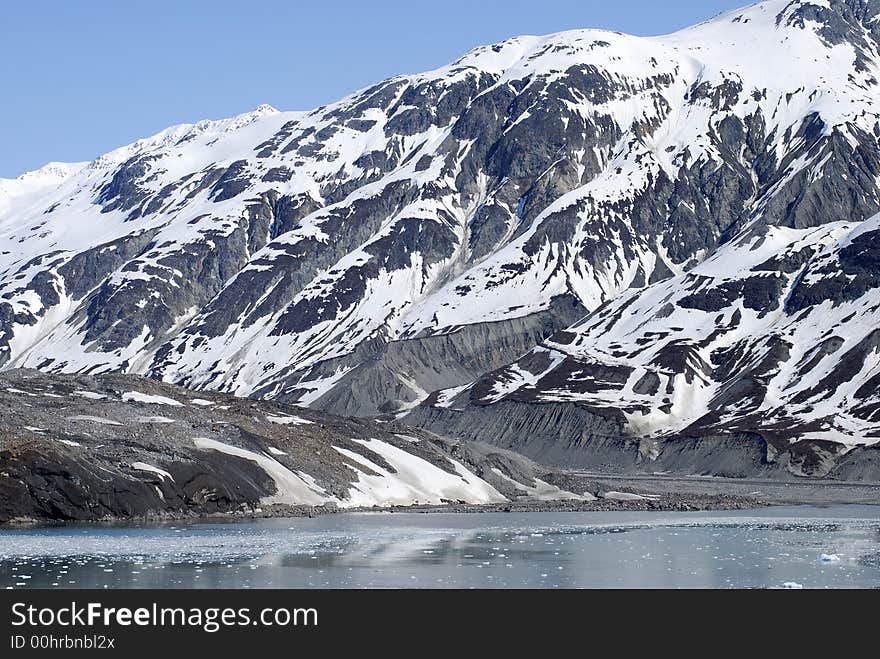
(792, 585)
(828, 558)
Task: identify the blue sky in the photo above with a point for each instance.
(81, 77)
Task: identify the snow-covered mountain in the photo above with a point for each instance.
(707, 194)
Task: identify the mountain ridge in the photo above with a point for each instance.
(425, 234)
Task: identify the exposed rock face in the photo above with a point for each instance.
(761, 360)
(699, 221)
(402, 373)
(120, 446)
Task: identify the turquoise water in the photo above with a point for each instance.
(831, 547)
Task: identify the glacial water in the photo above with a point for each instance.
(809, 547)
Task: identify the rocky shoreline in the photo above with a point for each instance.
(663, 504)
(649, 493)
(667, 503)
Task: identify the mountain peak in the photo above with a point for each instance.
(265, 108)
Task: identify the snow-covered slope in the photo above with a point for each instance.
(430, 229)
(110, 446)
(774, 338)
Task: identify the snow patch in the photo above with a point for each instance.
(91, 395)
(415, 480)
(94, 419)
(622, 496)
(143, 466)
(292, 489)
(285, 420)
(138, 397)
(543, 491)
